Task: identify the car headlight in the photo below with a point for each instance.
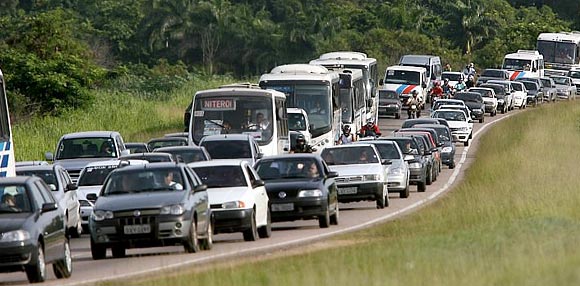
(233, 205)
(310, 193)
(447, 150)
(464, 128)
(172, 210)
(396, 171)
(373, 177)
(100, 215)
(16, 235)
(415, 165)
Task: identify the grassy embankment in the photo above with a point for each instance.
(138, 117)
(514, 220)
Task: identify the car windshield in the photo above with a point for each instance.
(560, 80)
(546, 82)
(227, 149)
(402, 77)
(493, 73)
(95, 175)
(388, 94)
(166, 142)
(227, 177)
(442, 132)
(530, 85)
(468, 96)
(296, 122)
(483, 92)
(407, 145)
(92, 147)
(450, 115)
(14, 199)
(350, 156)
(137, 148)
(388, 151)
(498, 89)
(188, 155)
(143, 180)
(288, 168)
(518, 86)
(48, 176)
(516, 64)
(574, 74)
(452, 76)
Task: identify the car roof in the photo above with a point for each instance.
(222, 137)
(451, 100)
(145, 155)
(161, 139)
(348, 146)
(115, 162)
(218, 162)
(30, 163)
(178, 148)
(484, 88)
(291, 156)
(177, 134)
(17, 180)
(433, 126)
(143, 144)
(49, 167)
(89, 134)
(156, 165)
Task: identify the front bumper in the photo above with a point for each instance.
(460, 136)
(447, 157)
(368, 191)
(15, 255)
(389, 109)
(235, 220)
(396, 183)
(477, 114)
(289, 209)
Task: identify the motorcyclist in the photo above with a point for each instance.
(459, 86)
(346, 137)
(436, 91)
(470, 81)
(469, 69)
(370, 129)
(301, 146)
(413, 100)
(447, 88)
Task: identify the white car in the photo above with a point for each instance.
(457, 107)
(237, 197)
(437, 104)
(460, 124)
(362, 175)
(520, 94)
(489, 98)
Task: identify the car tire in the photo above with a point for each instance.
(466, 143)
(397, 115)
(421, 187)
(97, 251)
(324, 220)
(37, 272)
(119, 251)
(405, 193)
(251, 234)
(63, 268)
(429, 178)
(266, 230)
(191, 244)
(207, 243)
(503, 110)
(334, 218)
(481, 119)
(452, 165)
(381, 202)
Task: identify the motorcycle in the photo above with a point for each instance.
(414, 111)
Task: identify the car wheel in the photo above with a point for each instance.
(397, 115)
(334, 217)
(207, 243)
(481, 120)
(37, 272)
(63, 268)
(191, 245)
(324, 220)
(452, 165)
(251, 234)
(421, 187)
(119, 251)
(98, 251)
(405, 194)
(266, 230)
(429, 178)
(503, 110)
(466, 143)
(381, 202)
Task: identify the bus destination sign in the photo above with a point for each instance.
(219, 104)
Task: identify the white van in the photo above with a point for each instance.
(404, 79)
(431, 63)
(524, 63)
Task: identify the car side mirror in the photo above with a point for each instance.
(53, 187)
(386, 161)
(259, 183)
(91, 197)
(332, 174)
(310, 127)
(71, 187)
(409, 158)
(200, 188)
(49, 156)
(47, 207)
(259, 155)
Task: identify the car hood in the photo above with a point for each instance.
(473, 105)
(291, 184)
(149, 200)
(561, 86)
(359, 169)
(489, 100)
(12, 221)
(222, 195)
(83, 191)
(77, 164)
(457, 124)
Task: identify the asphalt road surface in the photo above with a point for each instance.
(353, 216)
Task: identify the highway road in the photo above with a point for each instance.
(353, 216)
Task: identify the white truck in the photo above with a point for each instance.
(524, 64)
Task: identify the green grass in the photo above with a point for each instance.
(138, 118)
(514, 220)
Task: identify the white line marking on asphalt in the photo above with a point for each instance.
(281, 245)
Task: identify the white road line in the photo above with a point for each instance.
(286, 244)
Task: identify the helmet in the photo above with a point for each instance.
(414, 92)
(300, 138)
(470, 77)
(436, 83)
(471, 65)
(346, 128)
(446, 80)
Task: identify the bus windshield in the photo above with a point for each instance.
(346, 105)
(516, 64)
(315, 99)
(557, 52)
(402, 77)
(233, 115)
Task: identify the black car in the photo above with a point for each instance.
(445, 137)
(535, 93)
(156, 204)
(430, 150)
(186, 154)
(32, 230)
(389, 103)
(474, 102)
(166, 142)
(420, 166)
(294, 193)
(152, 157)
(137, 147)
(412, 122)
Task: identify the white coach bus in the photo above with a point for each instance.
(7, 161)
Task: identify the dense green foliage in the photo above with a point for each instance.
(56, 50)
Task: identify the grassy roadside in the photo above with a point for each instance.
(138, 118)
(514, 220)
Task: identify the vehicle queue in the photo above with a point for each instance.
(237, 169)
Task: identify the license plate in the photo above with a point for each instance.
(347, 191)
(282, 207)
(137, 229)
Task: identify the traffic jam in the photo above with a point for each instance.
(299, 145)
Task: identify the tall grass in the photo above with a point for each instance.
(137, 116)
(514, 220)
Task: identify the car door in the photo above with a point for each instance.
(260, 196)
(72, 198)
(200, 202)
(51, 223)
(330, 185)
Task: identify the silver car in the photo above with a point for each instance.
(565, 86)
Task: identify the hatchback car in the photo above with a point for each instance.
(166, 142)
(232, 146)
(362, 173)
(389, 103)
(237, 197)
(32, 229)
(300, 186)
(156, 204)
(63, 189)
(461, 126)
(186, 154)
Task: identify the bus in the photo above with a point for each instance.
(561, 51)
(524, 63)
(241, 109)
(8, 163)
(314, 89)
(356, 60)
(352, 98)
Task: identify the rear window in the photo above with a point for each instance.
(95, 176)
(350, 156)
(493, 73)
(228, 149)
(228, 176)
